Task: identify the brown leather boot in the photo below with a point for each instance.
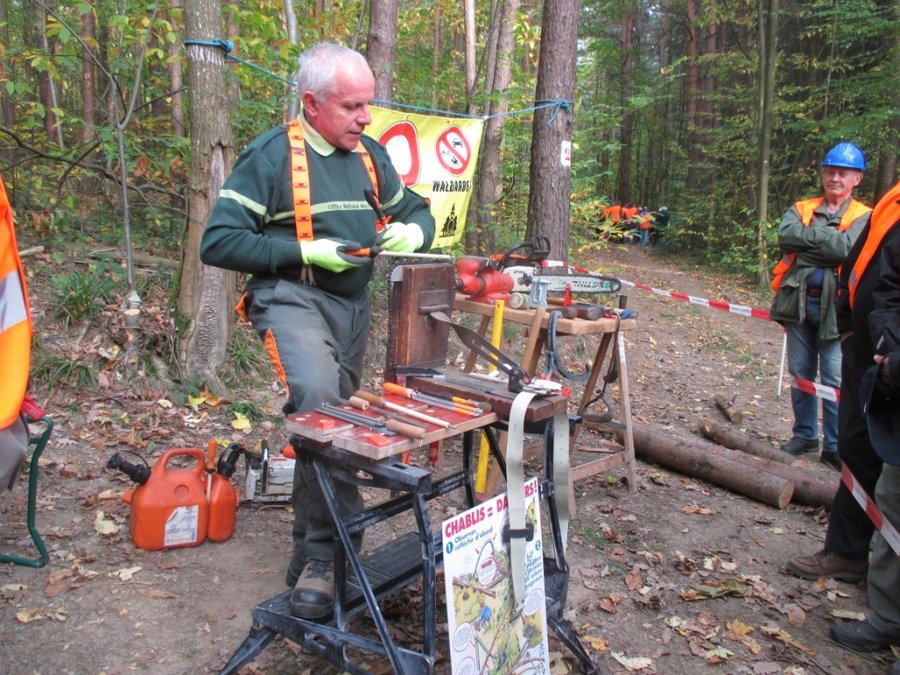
(313, 596)
(823, 564)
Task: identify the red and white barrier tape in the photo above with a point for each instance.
(882, 524)
(743, 310)
(821, 390)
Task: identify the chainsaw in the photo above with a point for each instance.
(535, 276)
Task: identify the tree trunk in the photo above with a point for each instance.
(487, 177)
(739, 441)
(206, 295)
(692, 92)
(88, 78)
(469, 21)
(381, 46)
(551, 144)
(623, 189)
(46, 85)
(176, 81)
(809, 489)
(768, 23)
(704, 460)
(292, 107)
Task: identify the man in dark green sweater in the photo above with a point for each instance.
(308, 296)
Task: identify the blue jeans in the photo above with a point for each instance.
(645, 237)
(808, 355)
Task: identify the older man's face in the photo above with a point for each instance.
(343, 116)
(839, 182)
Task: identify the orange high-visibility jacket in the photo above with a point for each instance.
(15, 319)
(884, 217)
(806, 208)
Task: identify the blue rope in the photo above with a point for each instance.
(227, 46)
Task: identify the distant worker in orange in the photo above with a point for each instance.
(645, 224)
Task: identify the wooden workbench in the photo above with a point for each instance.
(537, 320)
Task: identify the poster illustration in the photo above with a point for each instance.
(489, 632)
(435, 156)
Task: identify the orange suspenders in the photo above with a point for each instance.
(300, 179)
(301, 192)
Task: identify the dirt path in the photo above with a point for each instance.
(680, 577)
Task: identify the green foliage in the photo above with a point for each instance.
(80, 296)
(49, 371)
(245, 353)
(248, 409)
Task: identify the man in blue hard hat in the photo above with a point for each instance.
(815, 236)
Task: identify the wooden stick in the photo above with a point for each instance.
(727, 407)
(394, 422)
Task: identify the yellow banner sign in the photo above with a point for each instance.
(436, 157)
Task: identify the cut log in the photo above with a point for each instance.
(809, 489)
(727, 407)
(700, 459)
(738, 441)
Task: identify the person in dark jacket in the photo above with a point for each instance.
(815, 236)
(292, 213)
(880, 399)
(845, 554)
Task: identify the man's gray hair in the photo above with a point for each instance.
(318, 66)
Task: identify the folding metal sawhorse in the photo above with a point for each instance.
(396, 564)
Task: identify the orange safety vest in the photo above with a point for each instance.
(15, 319)
(806, 208)
(884, 217)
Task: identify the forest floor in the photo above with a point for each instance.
(679, 576)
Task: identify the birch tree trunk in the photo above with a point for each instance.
(206, 295)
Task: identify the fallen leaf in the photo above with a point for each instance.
(160, 595)
(126, 573)
(848, 614)
(13, 587)
(240, 422)
(104, 527)
(796, 616)
(633, 662)
(597, 643)
(165, 403)
(195, 402)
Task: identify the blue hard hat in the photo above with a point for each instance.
(847, 156)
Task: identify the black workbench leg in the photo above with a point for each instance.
(252, 645)
(468, 452)
(429, 572)
(328, 491)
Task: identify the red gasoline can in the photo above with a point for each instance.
(223, 503)
(171, 510)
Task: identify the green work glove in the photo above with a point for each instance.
(332, 254)
(402, 237)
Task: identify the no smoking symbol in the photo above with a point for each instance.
(453, 151)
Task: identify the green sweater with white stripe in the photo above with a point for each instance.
(251, 228)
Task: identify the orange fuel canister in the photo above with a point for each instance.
(170, 510)
(223, 503)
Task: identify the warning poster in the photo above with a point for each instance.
(488, 632)
(436, 157)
